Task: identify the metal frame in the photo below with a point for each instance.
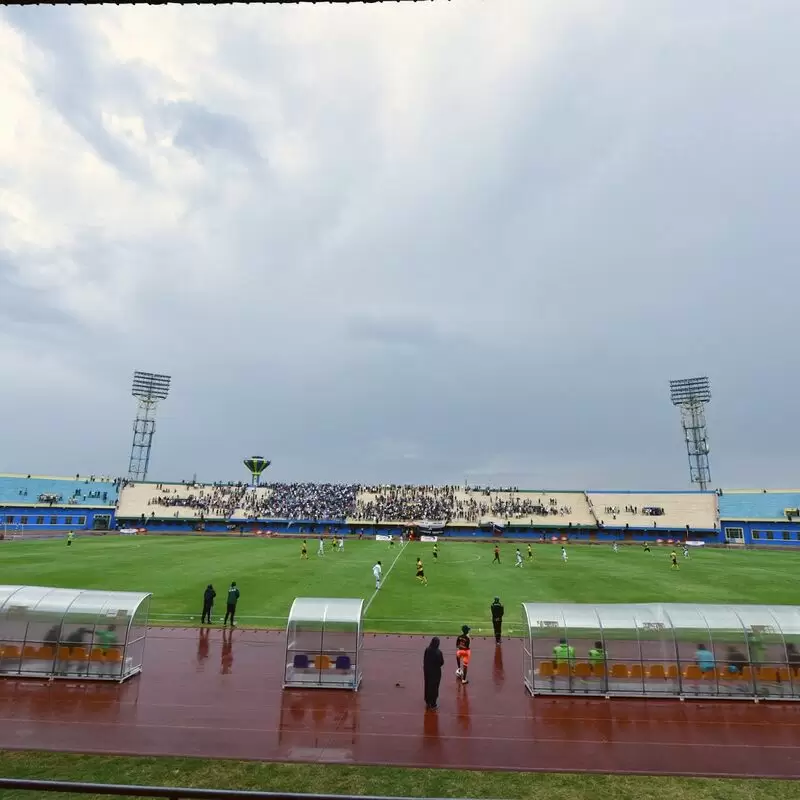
(172, 792)
(148, 388)
(59, 667)
(318, 677)
(691, 395)
(742, 624)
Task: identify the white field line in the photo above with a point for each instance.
(385, 577)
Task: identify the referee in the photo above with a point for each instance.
(497, 618)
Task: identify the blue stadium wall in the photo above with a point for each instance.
(55, 519)
(760, 517)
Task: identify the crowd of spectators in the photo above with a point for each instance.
(307, 501)
(215, 500)
(406, 503)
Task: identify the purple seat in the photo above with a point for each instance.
(300, 661)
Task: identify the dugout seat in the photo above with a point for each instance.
(583, 671)
(636, 672)
(656, 672)
(343, 662)
(322, 662)
(546, 669)
(619, 672)
(11, 651)
(300, 661)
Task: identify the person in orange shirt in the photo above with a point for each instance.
(463, 654)
(496, 559)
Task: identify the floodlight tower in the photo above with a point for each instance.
(148, 388)
(691, 395)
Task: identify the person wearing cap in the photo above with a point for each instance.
(497, 618)
(233, 599)
(462, 654)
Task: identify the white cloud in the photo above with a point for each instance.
(427, 225)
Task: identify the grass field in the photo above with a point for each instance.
(332, 778)
(462, 582)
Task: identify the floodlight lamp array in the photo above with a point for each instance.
(150, 386)
(689, 391)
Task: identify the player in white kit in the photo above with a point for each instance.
(341, 543)
(564, 554)
(614, 546)
(519, 559)
(377, 572)
(321, 547)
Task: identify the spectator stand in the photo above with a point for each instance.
(72, 633)
(662, 650)
(324, 637)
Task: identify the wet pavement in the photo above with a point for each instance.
(219, 695)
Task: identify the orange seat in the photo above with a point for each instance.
(11, 651)
(322, 662)
(47, 652)
(79, 654)
(636, 671)
(30, 651)
(692, 673)
(583, 670)
(546, 669)
(672, 672)
(785, 675)
(63, 653)
(619, 671)
(96, 655)
(725, 674)
(562, 670)
(656, 672)
(599, 670)
(114, 655)
(768, 675)
(747, 673)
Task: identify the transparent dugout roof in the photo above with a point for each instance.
(53, 603)
(326, 610)
(662, 616)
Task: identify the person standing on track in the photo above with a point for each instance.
(208, 603)
(497, 619)
(432, 663)
(463, 654)
(233, 599)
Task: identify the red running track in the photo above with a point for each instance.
(220, 696)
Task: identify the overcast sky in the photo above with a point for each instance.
(412, 242)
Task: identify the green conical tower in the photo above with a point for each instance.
(256, 466)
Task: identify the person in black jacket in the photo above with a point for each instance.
(432, 663)
(497, 618)
(208, 603)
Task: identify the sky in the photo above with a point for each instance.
(416, 243)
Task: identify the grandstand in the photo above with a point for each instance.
(760, 516)
(41, 504)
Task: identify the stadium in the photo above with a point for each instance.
(441, 289)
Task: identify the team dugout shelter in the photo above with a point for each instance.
(662, 650)
(72, 633)
(324, 637)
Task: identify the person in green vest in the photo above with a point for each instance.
(107, 639)
(597, 656)
(756, 644)
(563, 653)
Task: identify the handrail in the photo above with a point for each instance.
(172, 792)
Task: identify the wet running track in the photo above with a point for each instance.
(221, 698)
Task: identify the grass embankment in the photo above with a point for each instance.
(196, 773)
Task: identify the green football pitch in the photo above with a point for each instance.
(461, 583)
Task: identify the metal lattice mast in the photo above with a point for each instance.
(691, 395)
(148, 388)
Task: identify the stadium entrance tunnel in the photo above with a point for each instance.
(663, 650)
(324, 637)
(72, 633)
